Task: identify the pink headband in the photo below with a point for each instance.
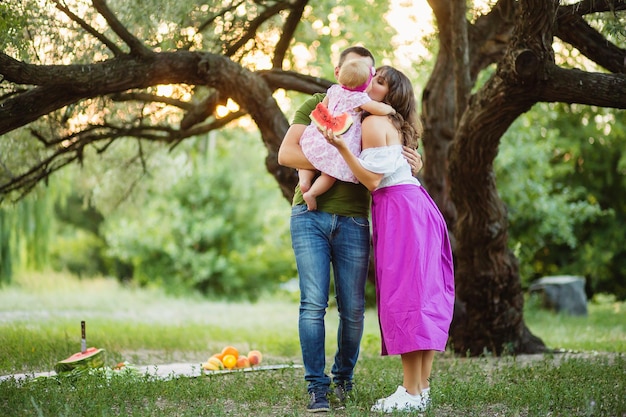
(363, 86)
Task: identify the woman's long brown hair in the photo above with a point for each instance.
(401, 97)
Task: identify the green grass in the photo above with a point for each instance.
(604, 329)
(40, 324)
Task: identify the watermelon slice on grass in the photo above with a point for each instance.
(90, 358)
(324, 120)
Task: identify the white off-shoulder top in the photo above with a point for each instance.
(388, 160)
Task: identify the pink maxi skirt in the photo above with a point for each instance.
(414, 270)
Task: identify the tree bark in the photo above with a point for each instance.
(489, 306)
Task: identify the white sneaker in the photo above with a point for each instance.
(400, 401)
(426, 397)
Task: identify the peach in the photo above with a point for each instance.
(255, 357)
(242, 362)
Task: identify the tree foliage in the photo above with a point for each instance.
(208, 230)
(564, 193)
(541, 211)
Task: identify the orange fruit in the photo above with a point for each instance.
(229, 361)
(230, 350)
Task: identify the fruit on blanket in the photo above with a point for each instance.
(254, 357)
(229, 361)
(242, 362)
(324, 120)
(230, 350)
(213, 364)
(90, 358)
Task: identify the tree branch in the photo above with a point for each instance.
(593, 6)
(293, 81)
(582, 87)
(489, 36)
(136, 46)
(289, 30)
(460, 50)
(201, 111)
(69, 148)
(152, 98)
(206, 24)
(67, 84)
(252, 26)
(573, 29)
(89, 29)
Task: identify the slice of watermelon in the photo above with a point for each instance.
(90, 358)
(324, 120)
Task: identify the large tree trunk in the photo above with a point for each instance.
(438, 115)
(460, 150)
(487, 277)
(489, 305)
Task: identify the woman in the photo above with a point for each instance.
(414, 268)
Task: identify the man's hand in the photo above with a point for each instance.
(414, 159)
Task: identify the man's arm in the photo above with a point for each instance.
(414, 159)
(290, 154)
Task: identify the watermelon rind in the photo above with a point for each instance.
(340, 128)
(91, 358)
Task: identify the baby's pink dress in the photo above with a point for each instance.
(322, 154)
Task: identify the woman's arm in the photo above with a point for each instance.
(373, 135)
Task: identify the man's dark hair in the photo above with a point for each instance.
(359, 50)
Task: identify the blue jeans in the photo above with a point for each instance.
(320, 239)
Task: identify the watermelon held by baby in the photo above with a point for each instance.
(324, 120)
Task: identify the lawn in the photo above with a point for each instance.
(40, 319)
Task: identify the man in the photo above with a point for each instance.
(336, 234)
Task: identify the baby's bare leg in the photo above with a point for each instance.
(305, 179)
(319, 187)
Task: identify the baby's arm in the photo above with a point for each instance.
(377, 108)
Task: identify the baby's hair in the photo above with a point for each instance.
(354, 73)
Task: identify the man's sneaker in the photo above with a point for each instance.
(400, 401)
(319, 402)
(342, 390)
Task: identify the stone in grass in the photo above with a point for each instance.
(562, 293)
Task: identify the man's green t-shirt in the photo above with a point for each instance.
(343, 198)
